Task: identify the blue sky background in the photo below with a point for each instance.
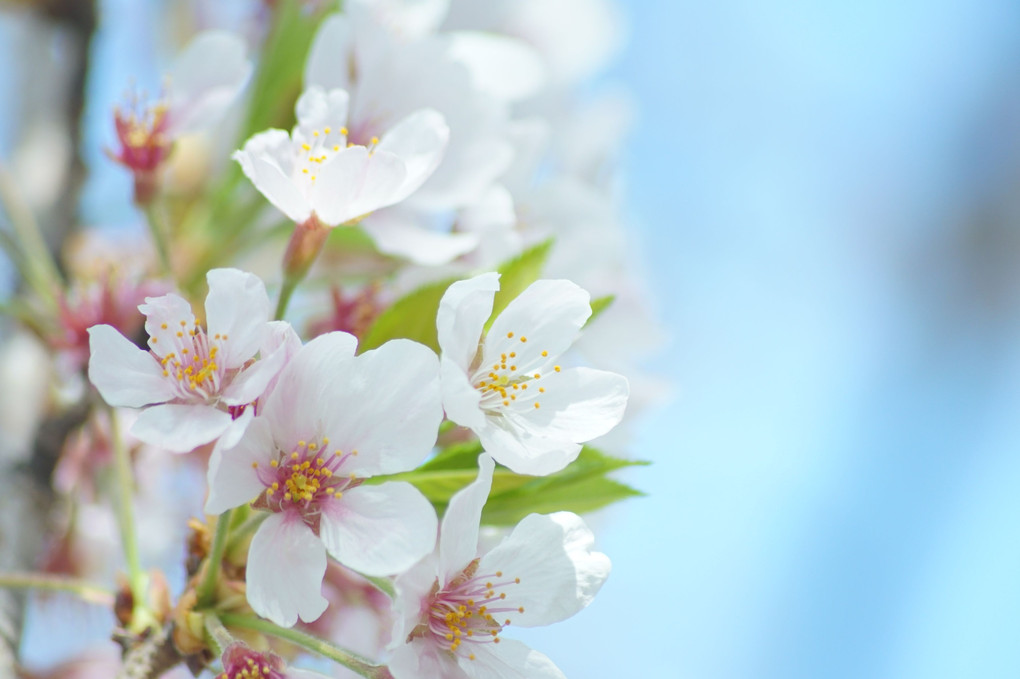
(824, 192)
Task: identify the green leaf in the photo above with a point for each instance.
(598, 305)
(582, 487)
(412, 316)
(517, 274)
(578, 496)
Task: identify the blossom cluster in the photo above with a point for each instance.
(411, 432)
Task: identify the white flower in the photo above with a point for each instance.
(332, 421)
(197, 381)
(452, 607)
(319, 170)
(530, 413)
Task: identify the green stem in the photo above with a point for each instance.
(157, 226)
(87, 591)
(351, 661)
(216, 635)
(207, 588)
(141, 616)
(43, 274)
(286, 290)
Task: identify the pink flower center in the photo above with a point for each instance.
(191, 362)
(141, 131)
(241, 662)
(471, 609)
(306, 478)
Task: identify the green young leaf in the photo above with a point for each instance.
(517, 274)
(598, 305)
(413, 316)
(578, 496)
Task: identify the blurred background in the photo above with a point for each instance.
(826, 195)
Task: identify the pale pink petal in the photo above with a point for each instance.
(233, 480)
(286, 564)
(270, 174)
(367, 396)
(509, 659)
(500, 66)
(281, 338)
(422, 658)
(553, 557)
(458, 537)
(254, 380)
(404, 18)
(329, 59)
(297, 408)
(419, 140)
(460, 399)
(547, 316)
(235, 431)
(165, 316)
(465, 307)
(578, 404)
(379, 530)
(180, 428)
(205, 79)
(237, 308)
(124, 374)
(523, 452)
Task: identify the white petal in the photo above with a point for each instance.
(331, 53)
(523, 452)
(124, 374)
(412, 590)
(405, 18)
(286, 564)
(501, 66)
(232, 479)
(165, 316)
(419, 140)
(509, 659)
(465, 307)
(205, 79)
(460, 399)
(458, 538)
(180, 427)
(422, 658)
(553, 557)
(369, 395)
(266, 160)
(404, 236)
(379, 530)
(237, 307)
(317, 109)
(579, 404)
(297, 406)
(549, 314)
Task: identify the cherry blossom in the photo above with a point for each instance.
(454, 605)
(242, 662)
(529, 412)
(320, 170)
(332, 421)
(195, 381)
(203, 82)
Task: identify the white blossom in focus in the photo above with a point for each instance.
(453, 606)
(195, 381)
(320, 169)
(332, 421)
(529, 412)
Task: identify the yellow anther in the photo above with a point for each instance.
(254, 465)
(306, 147)
(343, 131)
(537, 404)
(524, 339)
(327, 130)
(336, 148)
(294, 456)
(315, 133)
(274, 464)
(375, 140)
(304, 170)
(312, 446)
(163, 326)
(545, 353)
(509, 335)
